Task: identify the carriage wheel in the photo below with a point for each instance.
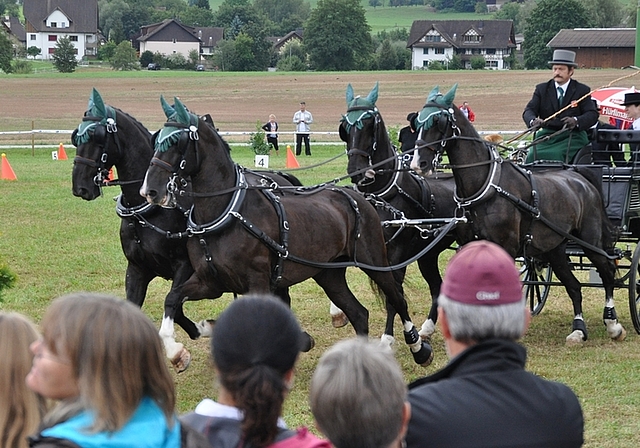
(533, 270)
(634, 289)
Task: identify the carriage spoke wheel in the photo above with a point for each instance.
(634, 289)
(532, 270)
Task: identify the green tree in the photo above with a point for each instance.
(6, 52)
(455, 63)
(481, 8)
(605, 13)
(146, 58)
(478, 62)
(224, 55)
(337, 36)
(33, 51)
(106, 51)
(510, 11)
(291, 64)
(387, 56)
(7, 278)
(283, 16)
(375, 3)
(64, 56)
(194, 57)
(547, 18)
(196, 17)
(125, 57)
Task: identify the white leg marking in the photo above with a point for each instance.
(427, 329)
(168, 337)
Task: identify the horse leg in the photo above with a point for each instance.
(607, 269)
(179, 356)
(174, 306)
(308, 341)
(420, 350)
(334, 284)
(338, 318)
(431, 273)
(557, 259)
(388, 337)
(136, 282)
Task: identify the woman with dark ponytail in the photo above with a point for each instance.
(255, 345)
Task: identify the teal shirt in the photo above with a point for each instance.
(147, 428)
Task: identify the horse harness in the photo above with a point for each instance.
(380, 199)
(232, 211)
(492, 186)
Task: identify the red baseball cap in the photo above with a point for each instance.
(482, 273)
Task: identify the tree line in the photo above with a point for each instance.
(336, 35)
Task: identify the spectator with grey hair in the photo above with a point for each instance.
(484, 397)
(358, 396)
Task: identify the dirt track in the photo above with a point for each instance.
(237, 101)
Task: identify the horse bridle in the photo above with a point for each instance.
(188, 134)
(101, 129)
(375, 114)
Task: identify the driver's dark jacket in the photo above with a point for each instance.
(485, 398)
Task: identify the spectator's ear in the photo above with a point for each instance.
(527, 320)
(444, 324)
(406, 416)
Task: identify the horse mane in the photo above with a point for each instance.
(135, 120)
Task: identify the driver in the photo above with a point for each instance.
(553, 95)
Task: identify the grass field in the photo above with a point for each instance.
(57, 243)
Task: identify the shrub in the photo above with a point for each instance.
(7, 278)
(258, 142)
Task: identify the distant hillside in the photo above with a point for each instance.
(388, 17)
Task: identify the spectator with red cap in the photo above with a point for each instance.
(484, 397)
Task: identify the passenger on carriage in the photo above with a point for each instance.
(632, 107)
(604, 153)
(567, 132)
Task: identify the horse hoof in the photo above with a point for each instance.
(387, 340)
(206, 327)
(424, 356)
(339, 320)
(307, 342)
(575, 338)
(181, 361)
(427, 330)
(621, 336)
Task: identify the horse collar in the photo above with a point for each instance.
(231, 211)
(489, 188)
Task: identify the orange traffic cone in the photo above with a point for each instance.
(292, 162)
(7, 172)
(62, 155)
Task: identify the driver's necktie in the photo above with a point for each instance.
(560, 95)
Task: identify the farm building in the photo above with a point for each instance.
(171, 37)
(440, 40)
(45, 22)
(598, 47)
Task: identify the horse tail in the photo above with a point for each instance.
(377, 291)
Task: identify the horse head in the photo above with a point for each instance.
(94, 155)
(176, 154)
(362, 129)
(436, 124)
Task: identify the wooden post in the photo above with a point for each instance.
(33, 137)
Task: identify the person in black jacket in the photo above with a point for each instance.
(566, 133)
(484, 397)
(271, 128)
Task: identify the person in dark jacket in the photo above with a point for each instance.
(484, 397)
(408, 134)
(271, 129)
(579, 114)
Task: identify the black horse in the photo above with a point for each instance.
(378, 172)
(153, 238)
(257, 240)
(528, 214)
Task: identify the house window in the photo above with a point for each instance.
(63, 25)
(73, 38)
(425, 63)
(53, 25)
(491, 51)
(32, 37)
(433, 38)
(425, 51)
(175, 40)
(439, 50)
(53, 37)
(491, 64)
(52, 50)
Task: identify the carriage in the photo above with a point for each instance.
(620, 187)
